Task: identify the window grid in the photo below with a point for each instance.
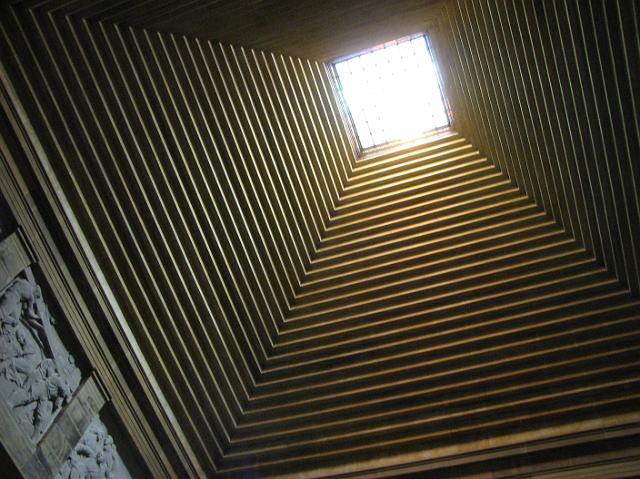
(392, 92)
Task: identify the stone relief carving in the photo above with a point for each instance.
(94, 457)
(37, 374)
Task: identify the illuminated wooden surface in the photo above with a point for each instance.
(443, 307)
(311, 314)
(550, 91)
(203, 176)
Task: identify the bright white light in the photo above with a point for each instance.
(392, 93)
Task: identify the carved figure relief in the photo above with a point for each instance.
(94, 457)
(37, 374)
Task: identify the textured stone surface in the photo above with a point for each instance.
(95, 456)
(38, 375)
(14, 257)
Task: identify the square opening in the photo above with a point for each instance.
(392, 93)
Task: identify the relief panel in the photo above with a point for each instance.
(38, 375)
(95, 456)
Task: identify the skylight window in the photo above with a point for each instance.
(392, 92)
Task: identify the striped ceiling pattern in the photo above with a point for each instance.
(314, 29)
(445, 307)
(203, 176)
(551, 91)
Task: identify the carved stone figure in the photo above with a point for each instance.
(37, 373)
(94, 457)
(44, 388)
(17, 301)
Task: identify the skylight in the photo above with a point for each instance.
(392, 92)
